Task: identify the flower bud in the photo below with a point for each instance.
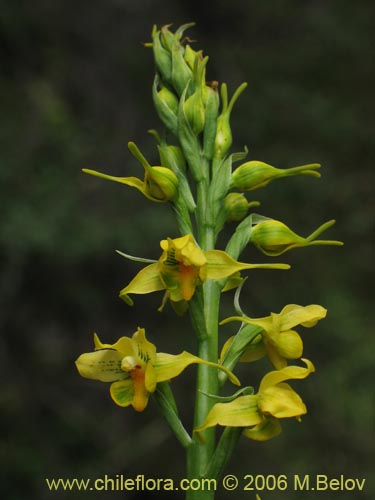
(211, 102)
(223, 140)
(190, 56)
(163, 58)
(166, 104)
(237, 206)
(168, 98)
(181, 73)
(273, 238)
(160, 183)
(256, 174)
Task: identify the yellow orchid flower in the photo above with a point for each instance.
(259, 413)
(277, 340)
(182, 267)
(160, 184)
(135, 367)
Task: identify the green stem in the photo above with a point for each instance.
(201, 451)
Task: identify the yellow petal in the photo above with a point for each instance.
(146, 351)
(168, 366)
(104, 365)
(221, 265)
(253, 352)
(146, 281)
(124, 345)
(184, 250)
(293, 315)
(287, 373)
(264, 323)
(233, 281)
(150, 378)
(281, 401)
(289, 344)
(267, 429)
(274, 357)
(242, 412)
(122, 392)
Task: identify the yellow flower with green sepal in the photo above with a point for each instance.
(135, 368)
(259, 413)
(160, 184)
(277, 340)
(182, 267)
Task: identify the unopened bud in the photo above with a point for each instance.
(223, 140)
(163, 58)
(211, 102)
(273, 238)
(256, 174)
(237, 206)
(161, 183)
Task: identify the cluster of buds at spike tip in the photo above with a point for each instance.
(274, 238)
(182, 95)
(256, 174)
(160, 184)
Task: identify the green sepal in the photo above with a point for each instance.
(135, 259)
(245, 391)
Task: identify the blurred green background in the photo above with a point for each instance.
(75, 87)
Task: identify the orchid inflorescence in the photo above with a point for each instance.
(196, 176)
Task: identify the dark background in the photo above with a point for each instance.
(75, 87)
